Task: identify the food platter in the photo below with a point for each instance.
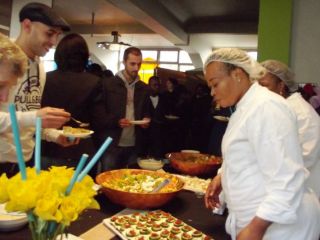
(194, 184)
(154, 225)
(72, 132)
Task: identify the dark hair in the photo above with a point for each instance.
(174, 81)
(154, 78)
(133, 50)
(229, 67)
(107, 73)
(95, 69)
(72, 53)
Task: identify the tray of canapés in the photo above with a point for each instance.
(151, 225)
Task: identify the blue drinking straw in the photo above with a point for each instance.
(79, 167)
(16, 137)
(95, 158)
(37, 163)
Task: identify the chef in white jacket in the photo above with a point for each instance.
(280, 79)
(262, 174)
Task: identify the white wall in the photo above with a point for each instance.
(305, 45)
(107, 57)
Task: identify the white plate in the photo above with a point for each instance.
(139, 122)
(171, 117)
(70, 237)
(11, 221)
(221, 118)
(77, 135)
(190, 151)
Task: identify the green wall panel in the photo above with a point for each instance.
(274, 31)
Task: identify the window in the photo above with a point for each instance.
(168, 56)
(48, 61)
(173, 59)
(184, 57)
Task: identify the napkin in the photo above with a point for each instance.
(98, 232)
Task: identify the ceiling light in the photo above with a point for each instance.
(114, 45)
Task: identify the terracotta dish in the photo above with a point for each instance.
(114, 186)
(194, 164)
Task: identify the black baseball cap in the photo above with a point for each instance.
(38, 12)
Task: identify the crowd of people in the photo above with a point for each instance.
(266, 132)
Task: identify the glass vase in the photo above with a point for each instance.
(45, 230)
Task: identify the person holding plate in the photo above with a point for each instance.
(40, 28)
(126, 102)
(80, 93)
(262, 174)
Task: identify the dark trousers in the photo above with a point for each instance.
(12, 169)
(118, 157)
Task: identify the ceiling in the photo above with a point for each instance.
(192, 25)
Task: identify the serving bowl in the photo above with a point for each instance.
(11, 221)
(117, 186)
(150, 164)
(194, 164)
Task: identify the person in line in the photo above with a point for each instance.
(200, 127)
(13, 65)
(262, 174)
(80, 93)
(40, 29)
(126, 99)
(280, 79)
(315, 100)
(155, 137)
(177, 110)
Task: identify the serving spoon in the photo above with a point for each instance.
(161, 185)
(81, 124)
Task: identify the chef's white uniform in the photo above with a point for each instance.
(309, 137)
(262, 172)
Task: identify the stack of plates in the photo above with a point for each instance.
(11, 221)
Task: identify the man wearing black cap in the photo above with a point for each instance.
(40, 29)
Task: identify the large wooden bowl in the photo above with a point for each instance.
(194, 164)
(139, 200)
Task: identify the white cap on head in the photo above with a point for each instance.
(282, 71)
(238, 58)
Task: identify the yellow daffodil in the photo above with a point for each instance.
(44, 194)
(4, 196)
(47, 208)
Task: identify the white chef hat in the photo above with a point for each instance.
(282, 71)
(238, 58)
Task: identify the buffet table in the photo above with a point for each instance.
(187, 206)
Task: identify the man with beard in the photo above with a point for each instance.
(40, 29)
(126, 100)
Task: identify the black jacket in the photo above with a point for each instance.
(79, 93)
(115, 98)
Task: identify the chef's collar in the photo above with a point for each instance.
(244, 100)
